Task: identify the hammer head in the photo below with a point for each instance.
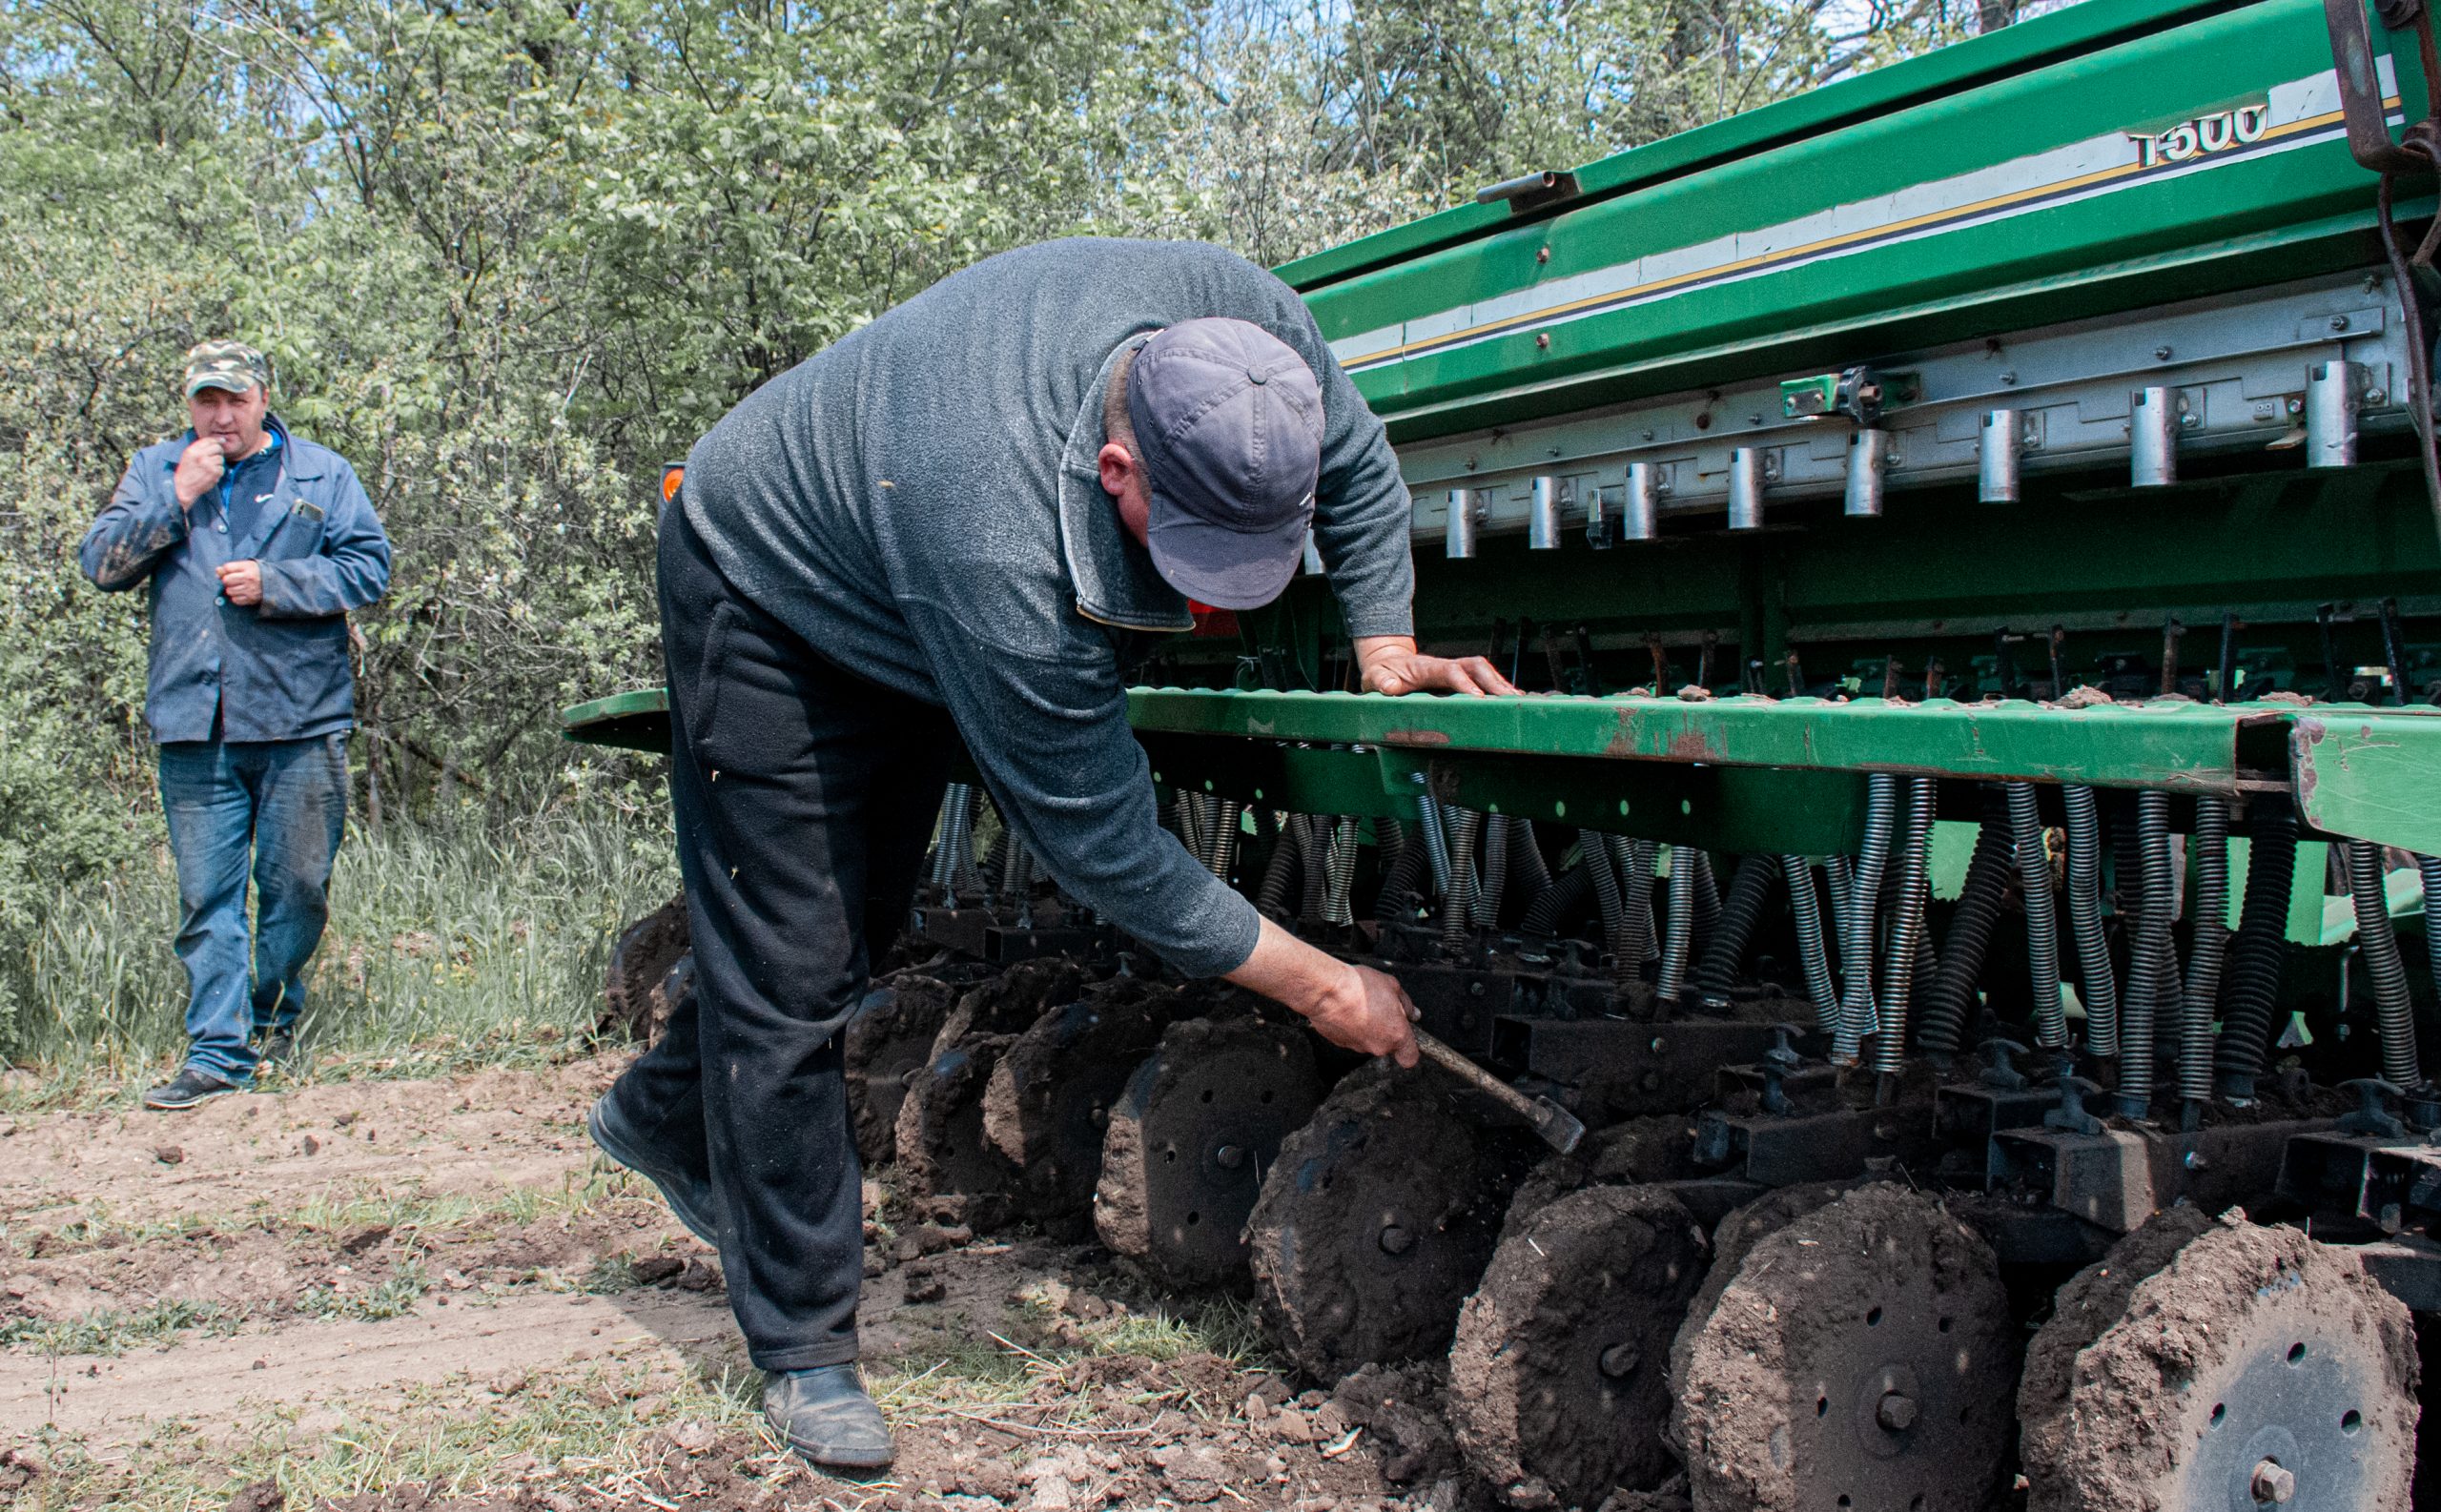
(1555, 1125)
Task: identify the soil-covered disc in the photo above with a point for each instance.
(1633, 1152)
(2204, 1362)
(889, 1037)
(1860, 1357)
(942, 1154)
(1378, 1220)
(1009, 1003)
(1192, 1136)
(634, 1001)
(1558, 1380)
(1736, 1234)
(1048, 1103)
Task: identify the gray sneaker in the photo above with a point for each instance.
(825, 1416)
(191, 1086)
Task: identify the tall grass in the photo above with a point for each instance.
(448, 944)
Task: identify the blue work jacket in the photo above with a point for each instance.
(274, 670)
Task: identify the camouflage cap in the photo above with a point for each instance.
(225, 364)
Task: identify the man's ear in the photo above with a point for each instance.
(1119, 467)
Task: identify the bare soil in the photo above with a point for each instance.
(316, 1257)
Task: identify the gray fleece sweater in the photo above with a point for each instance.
(920, 503)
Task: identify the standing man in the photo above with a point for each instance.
(257, 544)
(967, 521)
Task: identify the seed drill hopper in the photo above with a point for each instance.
(1970, 535)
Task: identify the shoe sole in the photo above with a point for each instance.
(830, 1459)
(628, 1159)
(158, 1106)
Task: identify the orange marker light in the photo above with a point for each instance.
(672, 474)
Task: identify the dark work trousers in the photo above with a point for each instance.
(805, 797)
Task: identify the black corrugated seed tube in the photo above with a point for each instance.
(2251, 982)
(2097, 980)
(1750, 888)
(1271, 898)
(1951, 1002)
(1554, 902)
(2377, 945)
(1526, 860)
(1637, 861)
(1457, 906)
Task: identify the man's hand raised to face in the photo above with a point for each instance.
(1392, 664)
(199, 469)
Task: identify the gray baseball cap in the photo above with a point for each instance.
(1229, 420)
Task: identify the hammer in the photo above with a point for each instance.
(1555, 1125)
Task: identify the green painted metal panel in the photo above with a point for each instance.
(1973, 198)
(637, 719)
(2173, 744)
(1947, 71)
(2370, 776)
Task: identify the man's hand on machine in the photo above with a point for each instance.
(1392, 664)
(1353, 1006)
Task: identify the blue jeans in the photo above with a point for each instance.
(274, 809)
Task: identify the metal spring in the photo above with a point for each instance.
(966, 876)
(1907, 931)
(2378, 945)
(1313, 847)
(1457, 904)
(1679, 929)
(944, 867)
(2096, 978)
(1436, 842)
(1707, 896)
(1271, 898)
(1526, 859)
(1339, 869)
(1638, 861)
(2262, 945)
(1749, 890)
(1224, 855)
(1016, 870)
(1810, 953)
(2041, 917)
(2428, 868)
(1951, 998)
(1858, 1018)
(2209, 908)
(1593, 859)
(1396, 902)
(1486, 902)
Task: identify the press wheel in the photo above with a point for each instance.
(1378, 1220)
(634, 1000)
(1860, 1357)
(942, 1154)
(1558, 1381)
(2209, 1364)
(1048, 1106)
(1191, 1137)
(889, 1037)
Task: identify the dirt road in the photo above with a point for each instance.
(411, 1294)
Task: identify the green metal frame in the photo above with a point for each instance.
(1742, 774)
